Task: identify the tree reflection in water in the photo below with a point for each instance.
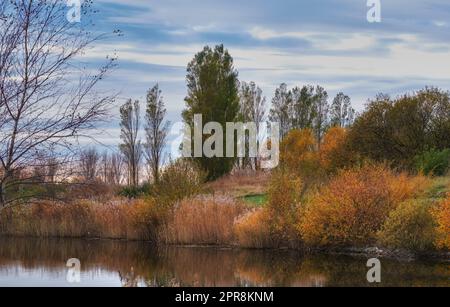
(140, 264)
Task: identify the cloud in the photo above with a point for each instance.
(327, 42)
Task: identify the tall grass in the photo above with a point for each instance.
(117, 219)
(204, 220)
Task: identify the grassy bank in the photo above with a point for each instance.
(368, 206)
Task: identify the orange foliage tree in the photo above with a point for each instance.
(333, 152)
(298, 153)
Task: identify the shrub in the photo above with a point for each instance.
(410, 226)
(204, 220)
(181, 179)
(131, 192)
(274, 225)
(283, 198)
(441, 215)
(433, 162)
(252, 230)
(352, 208)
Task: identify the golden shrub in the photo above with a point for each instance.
(351, 209)
(441, 215)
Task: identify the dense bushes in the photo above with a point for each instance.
(397, 130)
(409, 226)
(433, 162)
(351, 209)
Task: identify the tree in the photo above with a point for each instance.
(342, 113)
(320, 124)
(253, 108)
(115, 170)
(213, 88)
(89, 165)
(281, 109)
(42, 109)
(304, 111)
(334, 152)
(398, 130)
(156, 131)
(131, 147)
(298, 153)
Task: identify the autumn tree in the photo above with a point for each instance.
(156, 130)
(298, 152)
(213, 92)
(47, 100)
(334, 151)
(131, 146)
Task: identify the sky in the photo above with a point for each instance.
(298, 42)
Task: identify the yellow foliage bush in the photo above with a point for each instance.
(410, 226)
(441, 215)
(351, 209)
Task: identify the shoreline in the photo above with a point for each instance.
(366, 252)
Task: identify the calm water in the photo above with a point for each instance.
(32, 262)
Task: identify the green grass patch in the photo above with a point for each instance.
(255, 199)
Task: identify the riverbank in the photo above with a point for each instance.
(363, 207)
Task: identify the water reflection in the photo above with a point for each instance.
(35, 262)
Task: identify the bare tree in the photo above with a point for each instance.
(156, 130)
(46, 101)
(281, 109)
(89, 164)
(131, 147)
(253, 108)
(116, 166)
(342, 113)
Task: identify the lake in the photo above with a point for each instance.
(42, 262)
